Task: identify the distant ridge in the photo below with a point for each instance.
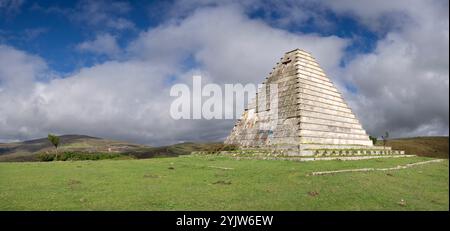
(67, 138)
(29, 149)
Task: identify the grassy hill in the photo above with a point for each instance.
(28, 150)
(194, 182)
(431, 146)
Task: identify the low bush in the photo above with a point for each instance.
(216, 148)
(73, 156)
(45, 157)
(373, 139)
(229, 147)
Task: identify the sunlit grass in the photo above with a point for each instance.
(199, 183)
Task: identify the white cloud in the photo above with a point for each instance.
(99, 15)
(18, 73)
(130, 99)
(103, 14)
(233, 50)
(402, 85)
(18, 69)
(385, 14)
(102, 44)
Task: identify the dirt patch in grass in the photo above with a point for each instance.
(222, 182)
(151, 176)
(73, 182)
(313, 193)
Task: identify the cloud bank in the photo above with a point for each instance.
(401, 87)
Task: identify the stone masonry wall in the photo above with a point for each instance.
(304, 108)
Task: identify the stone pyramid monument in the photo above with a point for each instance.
(299, 112)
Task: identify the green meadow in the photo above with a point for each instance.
(215, 182)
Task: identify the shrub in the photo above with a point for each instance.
(373, 139)
(230, 147)
(216, 148)
(46, 156)
(74, 156)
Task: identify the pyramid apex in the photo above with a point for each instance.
(297, 50)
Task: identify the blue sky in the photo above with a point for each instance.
(47, 28)
(389, 59)
(56, 34)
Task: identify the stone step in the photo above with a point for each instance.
(356, 152)
(328, 91)
(331, 128)
(331, 134)
(324, 152)
(330, 146)
(330, 106)
(314, 120)
(325, 146)
(327, 140)
(331, 98)
(346, 114)
(301, 159)
(320, 100)
(327, 117)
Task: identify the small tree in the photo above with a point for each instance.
(373, 139)
(385, 137)
(55, 141)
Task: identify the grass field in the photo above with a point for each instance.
(199, 183)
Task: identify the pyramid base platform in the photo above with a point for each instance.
(309, 152)
(321, 150)
(302, 159)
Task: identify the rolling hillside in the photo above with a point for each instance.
(27, 150)
(431, 146)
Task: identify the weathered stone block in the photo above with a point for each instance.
(307, 115)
